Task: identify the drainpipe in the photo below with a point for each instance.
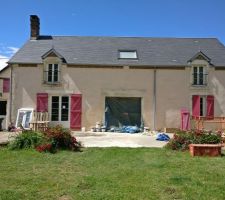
(154, 99)
(10, 105)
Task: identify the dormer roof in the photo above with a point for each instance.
(200, 56)
(52, 53)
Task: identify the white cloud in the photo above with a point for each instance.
(6, 54)
(13, 50)
(3, 61)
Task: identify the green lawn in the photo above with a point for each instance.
(110, 173)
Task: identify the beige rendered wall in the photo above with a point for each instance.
(171, 95)
(173, 90)
(93, 83)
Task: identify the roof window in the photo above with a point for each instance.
(127, 54)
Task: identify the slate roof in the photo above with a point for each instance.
(104, 50)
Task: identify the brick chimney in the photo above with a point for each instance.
(34, 27)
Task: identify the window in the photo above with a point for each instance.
(199, 76)
(60, 108)
(203, 106)
(52, 73)
(24, 117)
(123, 54)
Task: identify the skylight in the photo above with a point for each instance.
(127, 54)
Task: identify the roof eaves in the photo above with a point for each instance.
(5, 68)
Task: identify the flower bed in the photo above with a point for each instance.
(200, 141)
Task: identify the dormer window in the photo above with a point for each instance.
(52, 73)
(200, 64)
(52, 64)
(127, 54)
(199, 76)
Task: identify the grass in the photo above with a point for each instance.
(110, 173)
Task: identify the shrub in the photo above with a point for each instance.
(61, 138)
(209, 138)
(46, 148)
(182, 139)
(26, 139)
(49, 141)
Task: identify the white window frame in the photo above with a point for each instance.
(23, 117)
(204, 106)
(60, 108)
(52, 73)
(128, 54)
(198, 76)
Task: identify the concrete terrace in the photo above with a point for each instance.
(105, 139)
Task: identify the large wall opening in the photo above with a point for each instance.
(122, 111)
(3, 105)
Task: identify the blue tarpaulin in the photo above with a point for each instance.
(126, 129)
(162, 137)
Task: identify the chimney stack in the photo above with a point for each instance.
(34, 27)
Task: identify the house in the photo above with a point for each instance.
(4, 96)
(140, 81)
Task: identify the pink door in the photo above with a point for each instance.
(185, 119)
(75, 111)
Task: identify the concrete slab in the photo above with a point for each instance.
(105, 139)
(5, 137)
(118, 140)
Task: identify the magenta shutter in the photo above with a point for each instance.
(210, 106)
(196, 105)
(42, 102)
(75, 111)
(6, 85)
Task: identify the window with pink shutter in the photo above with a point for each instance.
(42, 102)
(203, 106)
(6, 85)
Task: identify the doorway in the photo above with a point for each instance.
(122, 111)
(3, 112)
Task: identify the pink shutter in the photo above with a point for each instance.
(6, 85)
(210, 106)
(42, 102)
(196, 105)
(75, 111)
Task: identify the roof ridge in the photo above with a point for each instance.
(138, 37)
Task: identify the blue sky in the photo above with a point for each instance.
(153, 18)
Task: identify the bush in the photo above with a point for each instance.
(61, 138)
(49, 141)
(27, 139)
(46, 148)
(182, 139)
